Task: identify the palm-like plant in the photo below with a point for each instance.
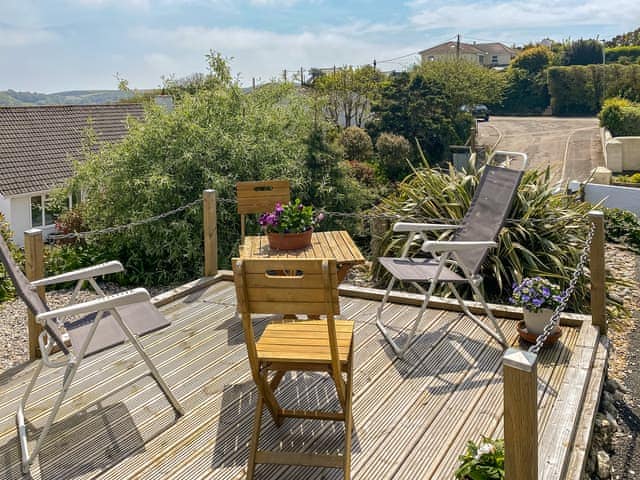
(544, 235)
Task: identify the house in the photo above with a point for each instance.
(37, 149)
(493, 54)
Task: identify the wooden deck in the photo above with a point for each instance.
(412, 418)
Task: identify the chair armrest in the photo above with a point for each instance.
(81, 274)
(100, 304)
(453, 246)
(421, 227)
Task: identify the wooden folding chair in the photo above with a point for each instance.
(259, 197)
(292, 286)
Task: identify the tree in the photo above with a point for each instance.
(421, 110)
(348, 93)
(464, 82)
(583, 52)
(628, 39)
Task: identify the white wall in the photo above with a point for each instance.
(20, 218)
(623, 154)
(625, 198)
(5, 208)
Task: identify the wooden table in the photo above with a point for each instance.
(334, 245)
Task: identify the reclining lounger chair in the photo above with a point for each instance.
(467, 250)
(105, 322)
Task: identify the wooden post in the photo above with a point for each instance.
(596, 266)
(34, 270)
(520, 415)
(210, 233)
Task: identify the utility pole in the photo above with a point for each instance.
(458, 47)
(374, 64)
(285, 75)
(301, 76)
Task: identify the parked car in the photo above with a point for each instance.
(478, 111)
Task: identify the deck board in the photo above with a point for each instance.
(412, 418)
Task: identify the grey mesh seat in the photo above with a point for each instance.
(456, 261)
(80, 330)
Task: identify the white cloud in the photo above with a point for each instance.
(19, 37)
(520, 14)
(260, 53)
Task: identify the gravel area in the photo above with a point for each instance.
(13, 321)
(624, 367)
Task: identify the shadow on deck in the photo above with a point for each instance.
(412, 418)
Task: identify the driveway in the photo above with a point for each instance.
(570, 146)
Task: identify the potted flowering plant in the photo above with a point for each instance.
(484, 461)
(289, 227)
(538, 297)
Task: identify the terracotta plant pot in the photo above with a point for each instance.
(290, 241)
(536, 321)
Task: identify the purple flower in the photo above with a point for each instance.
(546, 292)
(557, 298)
(279, 208)
(525, 298)
(537, 302)
(320, 217)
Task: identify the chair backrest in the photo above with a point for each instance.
(286, 286)
(487, 213)
(25, 291)
(260, 197)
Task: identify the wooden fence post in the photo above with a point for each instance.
(210, 233)
(520, 415)
(596, 266)
(34, 270)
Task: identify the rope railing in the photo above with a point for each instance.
(232, 201)
(566, 295)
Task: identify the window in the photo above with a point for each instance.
(494, 59)
(481, 59)
(43, 211)
(36, 211)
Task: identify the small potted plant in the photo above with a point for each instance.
(538, 297)
(484, 461)
(289, 227)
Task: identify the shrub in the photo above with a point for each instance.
(635, 178)
(525, 92)
(6, 286)
(621, 117)
(482, 462)
(616, 54)
(583, 52)
(363, 172)
(622, 226)
(545, 237)
(356, 144)
(533, 60)
(394, 155)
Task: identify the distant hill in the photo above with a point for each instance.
(74, 97)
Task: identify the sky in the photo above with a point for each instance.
(59, 45)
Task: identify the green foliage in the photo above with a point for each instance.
(544, 239)
(210, 140)
(484, 461)
(6, 286)
(525, 93)
(622, 226)
(394, 154)
(463, 82)
(356, 144)
(621, 117)
(420, 110)
(634, 178)
(583, 52)
(67, 257)
(347, 93)
(533, 60)
(631, 53)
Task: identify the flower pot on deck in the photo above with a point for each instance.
(536, 321)
(289, 241)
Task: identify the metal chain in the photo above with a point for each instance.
(120, 228)
(555, 317)
(233, 201)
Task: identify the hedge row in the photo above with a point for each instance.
(580, 90)
(631, 53)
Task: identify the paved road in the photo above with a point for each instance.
(570, 146)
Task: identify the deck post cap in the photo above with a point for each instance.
(520, 359)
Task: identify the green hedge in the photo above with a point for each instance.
(580, 90)
(615, 54)
(621, 117)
